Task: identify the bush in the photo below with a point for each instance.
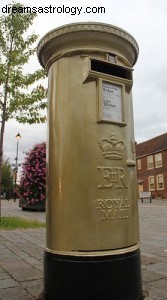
(33, 180)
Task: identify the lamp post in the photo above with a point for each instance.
(18, 137)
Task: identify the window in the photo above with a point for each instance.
(158, 160)
(151, 183)
(139, 164)
(160, 182)
(150, 164)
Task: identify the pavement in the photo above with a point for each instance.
(21, 253)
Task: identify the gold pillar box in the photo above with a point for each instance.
(92, 197)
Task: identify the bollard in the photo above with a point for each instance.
(92, 240)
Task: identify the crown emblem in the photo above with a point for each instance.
(112, 148)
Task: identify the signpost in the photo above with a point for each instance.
(144, 195)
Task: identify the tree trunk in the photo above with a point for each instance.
(4, 115)
(1, 156)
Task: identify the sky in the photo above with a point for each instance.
(146, 21)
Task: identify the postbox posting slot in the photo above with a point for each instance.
(94, 69)
(111, 69)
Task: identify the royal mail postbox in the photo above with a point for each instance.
(92, 248)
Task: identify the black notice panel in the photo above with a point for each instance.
(111, 69)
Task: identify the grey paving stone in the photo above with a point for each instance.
(26, 274)
(157, 294)
(6, 283)
(160, 284)
(159, 268)
(31, 260)
(4, 251)
(4, 275)
(15, 265)
(15, 293)
(145, 260)
(8, 257)
(39, 266)
(148, 276)
(34, 287)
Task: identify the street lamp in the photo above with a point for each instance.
(18, 137)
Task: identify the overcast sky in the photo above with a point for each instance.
(146, 20)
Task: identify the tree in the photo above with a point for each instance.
(7, 179)
(33, 180)
(21, 98)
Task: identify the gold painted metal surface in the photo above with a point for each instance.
(87, 37)
(96, 253)
(91, 188)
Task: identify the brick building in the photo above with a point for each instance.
(151, 159)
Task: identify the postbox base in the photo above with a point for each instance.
(116, 277)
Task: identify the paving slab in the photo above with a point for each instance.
(15, 293)
(153, 236)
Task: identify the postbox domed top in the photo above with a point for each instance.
(86, 37)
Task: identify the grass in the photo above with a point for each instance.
(8, 223)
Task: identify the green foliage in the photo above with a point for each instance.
(15, 223)
(7, 178)
(21, 97)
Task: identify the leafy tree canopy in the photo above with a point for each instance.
(20, 97)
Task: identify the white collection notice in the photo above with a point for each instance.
(111, 102)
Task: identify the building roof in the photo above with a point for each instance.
(156, 144)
